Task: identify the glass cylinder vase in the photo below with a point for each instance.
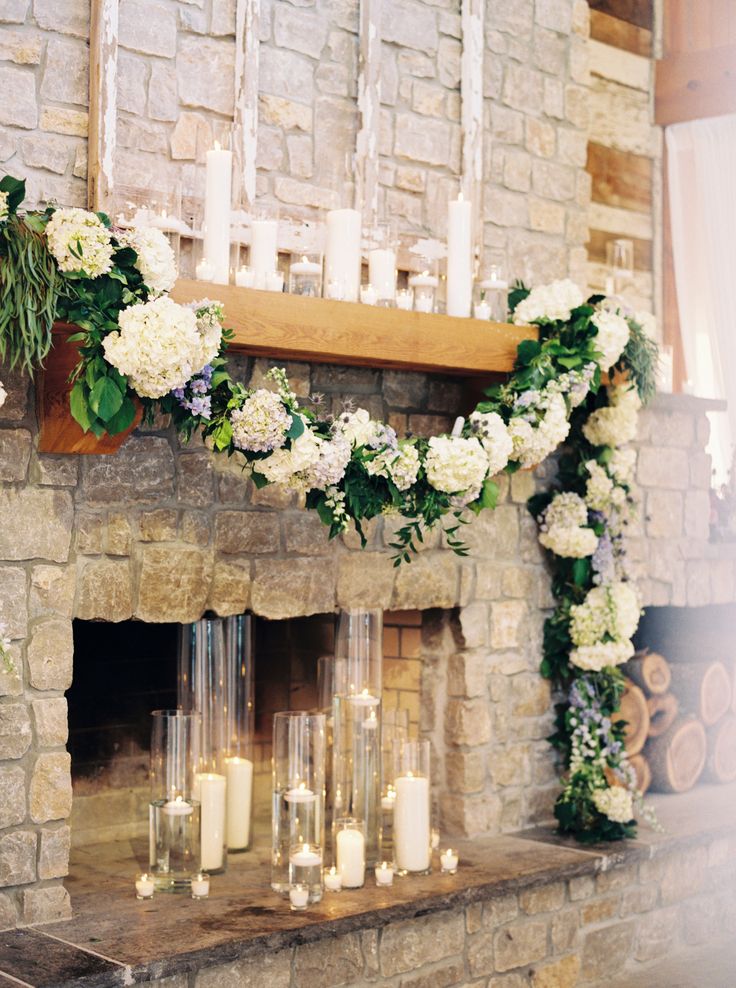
(298, 769)
(174, 813)
(357, 723)
(412, 807)
(394, 728)
(239, 713)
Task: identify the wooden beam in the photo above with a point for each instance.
(620, 178)
(291, 327)
(471, 113)
(671, 330)
(103, 88)
(696, 84)
(247, 53)
(620, 34)
(369, 105)
(637, 12)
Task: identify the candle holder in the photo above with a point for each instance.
(305, 275)
(412, 808)
(424, 285)
(357, 731)
(381, 244)
(174, 824)
(200, 886)
(490, 295)
(350, 850)
(620, 264)
(405, 299)
(299, 898)
(263, 254)
(332, 880)
(144, 886)
(449, 861)
(245, 277)
(394, 728)
(298, 802)
(239, 714)
(384, 874)
(133, 206)
(342, 255)
(368, 295)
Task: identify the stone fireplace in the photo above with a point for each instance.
(162, 533)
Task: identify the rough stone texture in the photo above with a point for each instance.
(15, 730)
(173, 583)
(105, 591)
(46, 905)
(407, 945)
(53, 857)
(50, 793)
(50, 655)
(17, 858)
(15, 452)
(13, 788)
(26, 539)
(143, 470)
(50, 719)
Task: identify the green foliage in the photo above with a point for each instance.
(640, 359)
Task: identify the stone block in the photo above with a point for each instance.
(412, 25)
(53, 856)
(163, 96)
(422, 139)
(66, 73)
(480, 954)
(507, 618)
(89, 534)
(119, 534)
(195, 478)
(519, 944)
(50, 792)
(50, 655)
(272, 969)
(18, 47)
(287, 74)
(230, 591)
(8, 911)
(159, 525)
(466, 771)
(337, 961)
(429, 581)
(148, 27)
(697, 515)
(468, 722)
(300, 30)
(174, 583)
(531, 695)
(57, 471)
(411, 943)
(247, 531)
(105, 591)
(13, 788)
(285, 113)
(581, 888)
(22, 109)
(656, 934)
(46, 905)
(133, 74)
(511, 767)
(60, 120)
(546, 216)
(204, 70)
(52, 591)
(50, 718)
(17, 858)
(292, 587)
(663, 467)
(191, 136)
(305, 193)
(13, 11)
(603, 950)
(26, 538)
(562, 973)
(141, 471)
(664, 514)
(523, 88)
(466, 674)
(14, 601)
(300, 149)
(364, 579)
(563, 929)
(505, 208)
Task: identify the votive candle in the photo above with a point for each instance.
(144, 887)
(449, 860)
(384, 874)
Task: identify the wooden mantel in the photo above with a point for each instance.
(291, 327)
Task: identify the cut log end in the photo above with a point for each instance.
(677, 757)
(643, 773)
(651, 672)
(720, 764)
(703, 689)
(634, 711)
(662, 712)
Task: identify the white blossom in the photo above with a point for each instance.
(290, 466)
(400, 464)
(593, 658)
(573, 543)
(615, 802)
(155, 258)
(614, 424)
(358, 427)
(261, 423)
(612, 336)
(3, 394)
(621, 466)
(454, 465)
(80, 242)
(157, 346)
(491, 429)
(549, 303)
(533, 443)
(611, 611)
(567, 510)
(209, 326)
(4, 213)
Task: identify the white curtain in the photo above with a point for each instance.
(701, 161)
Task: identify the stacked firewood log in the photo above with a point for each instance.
(680, 722)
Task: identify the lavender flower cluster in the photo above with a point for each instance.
(194, 395)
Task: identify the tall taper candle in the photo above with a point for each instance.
(342, 254)
(217, 212)
(459, 257)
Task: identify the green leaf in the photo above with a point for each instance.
(16, 190)
(527, 351)
(123, 418)
(581, 571)
(489, 494)
(80, 407)
(105, 398)
(296, 428)
(259, 480)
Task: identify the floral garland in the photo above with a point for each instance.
(138, 345)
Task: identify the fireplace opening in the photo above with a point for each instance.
(125, 670)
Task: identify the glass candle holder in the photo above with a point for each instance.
(368, 295)
(449, 861)
(200, 886)
(405, 299)
(263, 256)
(381, 246)
(490, 295)
(384, 874)
(620, 263)
(299, 898)
(394, 728)
(412, 808)
(144, 886)
(174, 825)
(350, 852)
(332, 879)
(239, 713)
(298, 802)
(357, 727)
(424, 285)
(305, 275)
(245, 277)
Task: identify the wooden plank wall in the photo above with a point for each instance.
(624, 151)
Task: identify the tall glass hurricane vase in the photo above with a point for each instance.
(174, 815)
(412, 807)
(357, 724)
(239, 712)
(298, 821)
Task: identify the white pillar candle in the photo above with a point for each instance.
(244, 277)
(144, 887)
(211, 788)
(368, 295)
(333, 881)
(205, 271)
(217, 197)
(382, 272)
(263, 251)
(305, 857)
(350, 845)
(459, 257)
(342, 253)
(457, 429)
(239, 775)
(411, 823)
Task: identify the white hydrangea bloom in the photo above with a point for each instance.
(612, 336)
(358, 427)
(616, 803)
(3, 394)
(648, 322)
(567, 510)
(573, 543)
(260, 425)
(290, 466)
(454, 465)
(491, 429)
(614, 424)
(599, 488)
(79, 241)
(156, 348)
(549, 303)
(612, 610)
(329, 467)
(155, 259)
(209, 327)
(401, 465)
(621, 466)
(593, 658)
(3, 206)
(626, 607)
(534, 443)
